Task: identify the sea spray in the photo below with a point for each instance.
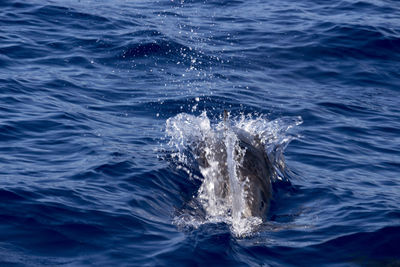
(222, 201)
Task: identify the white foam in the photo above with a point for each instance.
(186, 132)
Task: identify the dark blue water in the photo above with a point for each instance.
(86, 88)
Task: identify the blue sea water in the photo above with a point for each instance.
(86, 89)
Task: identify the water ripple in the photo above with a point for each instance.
(87, 86)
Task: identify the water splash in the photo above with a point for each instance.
(218, 156)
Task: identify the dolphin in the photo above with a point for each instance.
(252, 168)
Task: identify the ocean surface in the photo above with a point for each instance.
(100, 102)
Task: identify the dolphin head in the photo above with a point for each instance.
(253, 171)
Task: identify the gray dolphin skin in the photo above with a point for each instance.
(257, 168)
(253, 170)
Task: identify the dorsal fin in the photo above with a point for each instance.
(226, 121)
(226, 115)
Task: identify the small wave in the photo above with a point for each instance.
(154, 48)
(214, 149)
(166, 49)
